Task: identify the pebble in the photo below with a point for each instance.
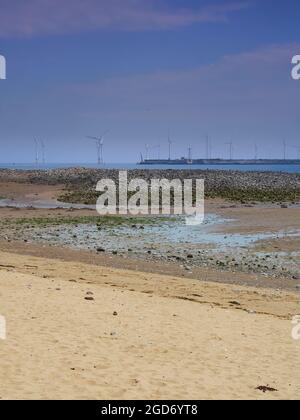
(100, 249)
(234, 302)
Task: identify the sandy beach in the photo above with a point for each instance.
(84, 324)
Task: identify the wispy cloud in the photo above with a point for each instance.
(239, 90)
(244, 97)
(54, 17)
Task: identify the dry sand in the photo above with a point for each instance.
(170, 337)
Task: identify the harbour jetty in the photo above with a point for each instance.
(187, 161)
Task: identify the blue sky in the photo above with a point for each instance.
(143, 67)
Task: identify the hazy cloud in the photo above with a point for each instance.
(235, 80)
(248, 97)
(54, 17)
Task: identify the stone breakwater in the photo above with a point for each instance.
(234, 185)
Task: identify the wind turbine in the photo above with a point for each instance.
(256, 152)
(298, 150)
(207, 147)
(157, 147)
(230, 144)
(147, 151)
(190, 154)
(170, 145)
(36, 142)
(99, 145)
(210, 149)
(43, 147)
(284, 149)
(158, 151)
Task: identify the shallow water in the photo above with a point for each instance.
(42, 204)
(235, 167)
(174, 232)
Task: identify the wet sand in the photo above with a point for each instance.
(22, 191)
(255, 246)
(230, 267)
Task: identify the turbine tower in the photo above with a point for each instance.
(207, 147)
(158, 152)
(99, 146)
(190, 153)
(255, 152)
(43, 147)
(170, 145)
(230, 144)
(147, 151)
(284, 149)
(36, 143)
(298, 151)
(157, 147)
(210, 149)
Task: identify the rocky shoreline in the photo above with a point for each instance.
(231, 185)
(163, 240)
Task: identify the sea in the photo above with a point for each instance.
(290, 168)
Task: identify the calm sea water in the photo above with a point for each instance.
(244, 168)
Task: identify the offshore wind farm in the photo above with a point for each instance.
(152, 159)
(162, 155)
(210, 160)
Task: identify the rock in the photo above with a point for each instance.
(115, 313)
(234, 302)
(89, 298)
(100, 249)
(265, 389)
